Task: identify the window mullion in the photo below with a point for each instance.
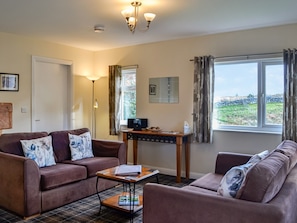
(261, 95)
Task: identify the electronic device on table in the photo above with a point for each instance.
(137, 123)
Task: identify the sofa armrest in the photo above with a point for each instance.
(170, 204)
(110, 148)
(19, 185)
(226, 160)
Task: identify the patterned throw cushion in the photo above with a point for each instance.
(40, 150)
(80, 146)
(234, 178)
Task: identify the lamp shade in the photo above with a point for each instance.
(93, 78)
(149, 16)
(127, 13)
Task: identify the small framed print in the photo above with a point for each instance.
(152, 89)
(9, 82)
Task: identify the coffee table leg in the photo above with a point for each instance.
(98, 194)
(132, 196)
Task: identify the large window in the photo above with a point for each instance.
(128, 100)
(248, 95)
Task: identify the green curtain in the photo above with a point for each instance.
(115, 77)
(290, 95)
(203, 98)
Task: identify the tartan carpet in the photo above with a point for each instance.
(87, 210)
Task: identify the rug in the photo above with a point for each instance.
(87, 210)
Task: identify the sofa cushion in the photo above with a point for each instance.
(61, 174)
(289, 148)
(95, 164)
(265, 179)
(40, 150)
(10, 142)
(209, 181)
(61, 143)
(233, 179)
(80, 146)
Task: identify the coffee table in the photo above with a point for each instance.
(129, 183)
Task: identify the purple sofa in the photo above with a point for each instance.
(28, 190)
(267, 195)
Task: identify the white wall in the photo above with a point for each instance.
(16, 57)
(163, 59)
(171, 58)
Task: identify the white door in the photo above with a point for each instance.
(51, 94)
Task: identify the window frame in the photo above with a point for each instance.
(126, 70)
(262, 63)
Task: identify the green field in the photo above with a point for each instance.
(246, 115)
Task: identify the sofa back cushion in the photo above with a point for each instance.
(61, 143)
(10, 142)
(264, 180)
(289, 149)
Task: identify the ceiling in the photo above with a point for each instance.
(71, 22)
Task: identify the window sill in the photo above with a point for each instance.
(266, 131)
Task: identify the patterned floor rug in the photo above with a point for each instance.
(87, 210)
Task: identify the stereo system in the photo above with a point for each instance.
(137, 123)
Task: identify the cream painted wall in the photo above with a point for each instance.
(171, 58)
(16, 57)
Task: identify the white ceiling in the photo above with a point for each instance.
(71, 22)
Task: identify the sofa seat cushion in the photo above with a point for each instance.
(61, 174)
(210, 181)
(95, 164)
(200, 190)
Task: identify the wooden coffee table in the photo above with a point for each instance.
(129, 183)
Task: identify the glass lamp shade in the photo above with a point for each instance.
(149, 16)
(127, 13)
(132, 21)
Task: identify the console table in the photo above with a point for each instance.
(177, 138)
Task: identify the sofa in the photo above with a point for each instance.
(266, 194)
(27, 189)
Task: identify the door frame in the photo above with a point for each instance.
(35, 61)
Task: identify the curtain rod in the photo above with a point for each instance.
(247, 55)
(131, 66)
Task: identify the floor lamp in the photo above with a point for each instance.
(94, 105)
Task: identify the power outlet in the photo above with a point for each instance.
(24, 110)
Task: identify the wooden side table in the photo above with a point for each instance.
(163, 137)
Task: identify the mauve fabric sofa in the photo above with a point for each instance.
(267, 195)
(28, 190)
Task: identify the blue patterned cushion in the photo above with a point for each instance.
(234, 178)
(80, 146)
(40, 150)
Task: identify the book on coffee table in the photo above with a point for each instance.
(128, 170)
(124, 200)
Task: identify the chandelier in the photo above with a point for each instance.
(131, 16)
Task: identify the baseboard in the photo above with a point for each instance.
(172, 172)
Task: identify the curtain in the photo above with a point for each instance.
(290, 95)
(115, 77)
(203, 98)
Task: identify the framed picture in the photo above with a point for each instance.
(9, 82)
(152, 89)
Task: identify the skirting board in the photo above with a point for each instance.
(172, 172)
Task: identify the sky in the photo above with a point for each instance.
(241, 79)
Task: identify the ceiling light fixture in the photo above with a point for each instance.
(99, 29)
(131, 16)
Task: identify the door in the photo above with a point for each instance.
(51, 94)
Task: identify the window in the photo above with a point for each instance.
(128, 100)
(248, 95)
